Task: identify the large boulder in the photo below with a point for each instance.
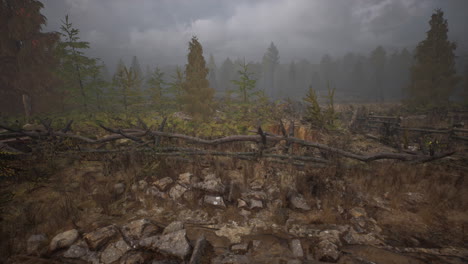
(64, 240)
(298, 202)
(296, 248)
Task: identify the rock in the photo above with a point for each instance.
(296, 248)
(185, 178)
(134, 187)
(114, 252)
(64, 240)
(354, 238)
(294, 261)
(231, 259)
(142, 185)
(234, 232)
(216, 201)
(119, 188)
(173, 227)
(98, 238)
(357, 212)
(163, 183)
(256, 244)
(137, 229)
(298, 202)
(174, 243)
(155, 192)
(76, 251)
(236, 177)
(254, 204)
(327, 251)
(36, 244)
(330, 235)
(240, 248)
(241, 203)
(210, 184)
(177, 191)
(135, 258)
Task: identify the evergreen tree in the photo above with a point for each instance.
(433, 75)
(197, 96)
(270, 62)
(75, 67)
(377, 60)
(137, 69)
(226, 75)
(126, 85)
(156, 87)
(175, 87)
(246, 84)
(27, 61)
(212, 73)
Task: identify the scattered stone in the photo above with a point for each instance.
(198, 250)
(137, 229)
(327, 251)
(357, 212)
(36, 244)
(240, 248)
(354, 238)
(76, 251)
(142, 185)
(163, 183)
(298, 202)
(177, 191)
(254, 204)
(135, 258)
(64, 240)
(234, 232)
(296, 248)
(114, 252)
(330, 235)
(174, 243)
(185, 178)
(211, 184)
(100, 237)
(153, 191)
(216, 201)
(173, 227)
(241, 203)
(119, 188)
(134, 187)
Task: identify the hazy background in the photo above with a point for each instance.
(158, 31)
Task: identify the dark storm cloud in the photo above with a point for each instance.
(158, 31)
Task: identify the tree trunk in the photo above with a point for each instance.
(27, 106)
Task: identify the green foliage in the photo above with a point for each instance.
(127, 87)
(156, 89)
(433, 76)
(245, 84)
(318, 117)
(77, 72)
(197, 96)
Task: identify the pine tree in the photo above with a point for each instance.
(270, 62)
(156, 87)
(212, 73)
(246, 84)
(175, 87)
(126, 85)
(433, 75)
(197, 96)
(27, 61)
(75, 67)
(136, 68)
(378, 60)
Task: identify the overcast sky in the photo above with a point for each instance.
(158, 31)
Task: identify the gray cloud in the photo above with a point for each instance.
(158, 31)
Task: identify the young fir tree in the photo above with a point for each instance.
(27, 61)
(313, 113)
(175, 87)
(197, 96)
(245, 84)
(433, 75)
(75, 68)
(126, 83)
(156, 88)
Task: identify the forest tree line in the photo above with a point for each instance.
(50, 71)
